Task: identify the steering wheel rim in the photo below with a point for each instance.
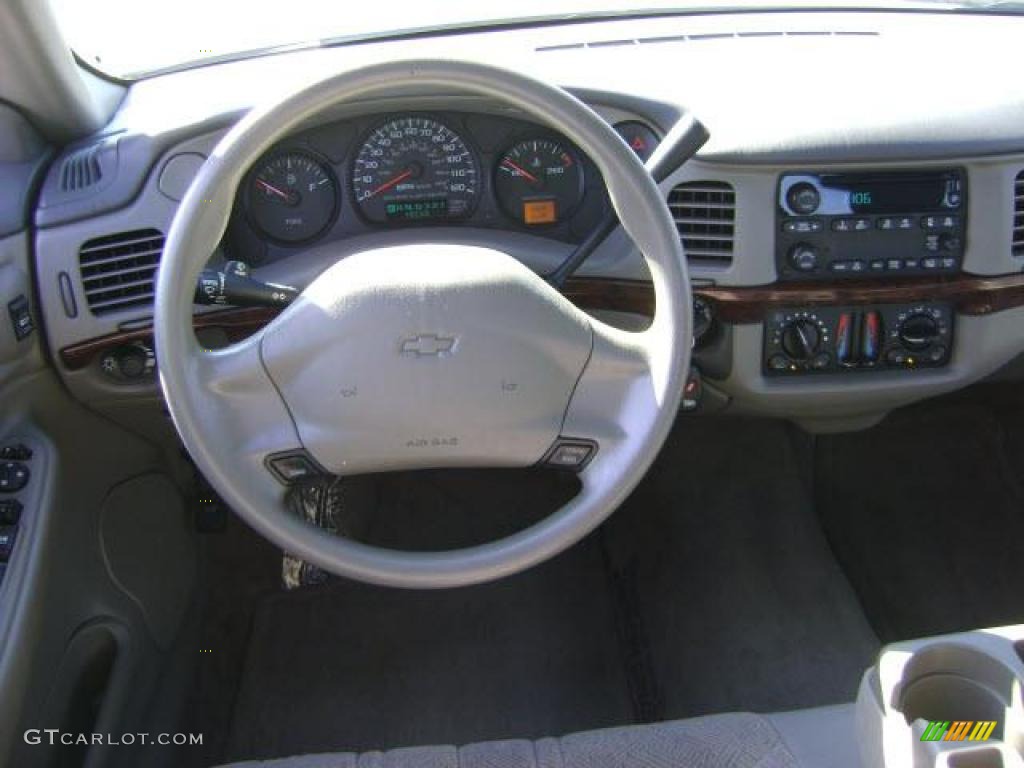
(231, 412)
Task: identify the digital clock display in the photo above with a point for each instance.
(417, 210)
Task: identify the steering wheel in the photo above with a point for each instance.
(425, 356)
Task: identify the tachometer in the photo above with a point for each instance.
(539, 182)
(415, 169)
(291, 197)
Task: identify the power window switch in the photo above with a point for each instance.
(8, 534)
(17, 452)
(13, 476)
(10, 511)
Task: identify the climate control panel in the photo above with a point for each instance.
(856, 339)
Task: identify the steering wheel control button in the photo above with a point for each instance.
(571, 453)
(10, 511)
(292, 467)
(13, 476)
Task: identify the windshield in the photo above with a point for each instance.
(132, 38)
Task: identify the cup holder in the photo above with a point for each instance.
(955, 682)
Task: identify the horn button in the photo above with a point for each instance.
(427, 356)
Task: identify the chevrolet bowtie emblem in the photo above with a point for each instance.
(428, 345)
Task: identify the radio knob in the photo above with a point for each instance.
(803, 257)
(800, 339)
(803, 198)
(918, 331)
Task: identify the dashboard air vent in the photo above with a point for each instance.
(81, 169)
(705, 213)
(118, 270)
(1018, 215)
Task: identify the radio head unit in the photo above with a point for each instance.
(870, 223)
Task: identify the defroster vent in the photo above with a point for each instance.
(705, 214)
(118, 271)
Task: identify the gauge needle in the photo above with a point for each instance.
(522, 171)
(391, 182)
(272, 188)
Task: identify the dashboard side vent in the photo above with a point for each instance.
(1018, 215)
(705, 214)
(118, 271)
(81, 169)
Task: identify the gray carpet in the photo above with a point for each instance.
(741, 601)
(926, 513)
(345, 666)
(349, 667)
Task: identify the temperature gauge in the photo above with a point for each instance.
(539, 182)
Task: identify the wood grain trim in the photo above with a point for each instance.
(969, 295)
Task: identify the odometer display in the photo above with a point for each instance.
(414, 169)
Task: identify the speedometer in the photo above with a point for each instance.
(415, 169)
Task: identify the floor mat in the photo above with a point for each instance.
(926, 519)
(345, 666)
(742, 603)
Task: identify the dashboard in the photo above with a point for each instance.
(850, 253)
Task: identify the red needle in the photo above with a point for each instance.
(273, 189)
(522, 171)
(391, 182)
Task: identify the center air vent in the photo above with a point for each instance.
(118, 270)
(1018, 215)
(705, 213)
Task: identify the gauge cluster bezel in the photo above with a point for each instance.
(488, 136)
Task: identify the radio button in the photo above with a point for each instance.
(802, 226)
(803, 257)
(803, 198)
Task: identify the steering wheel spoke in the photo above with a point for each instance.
(616, 402)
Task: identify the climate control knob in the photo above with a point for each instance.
(800, 339)
(803, 257)
(918, 331)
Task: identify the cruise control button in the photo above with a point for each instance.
(291, 467)
(570, 453)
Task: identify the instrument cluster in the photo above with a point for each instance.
(421, 169)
